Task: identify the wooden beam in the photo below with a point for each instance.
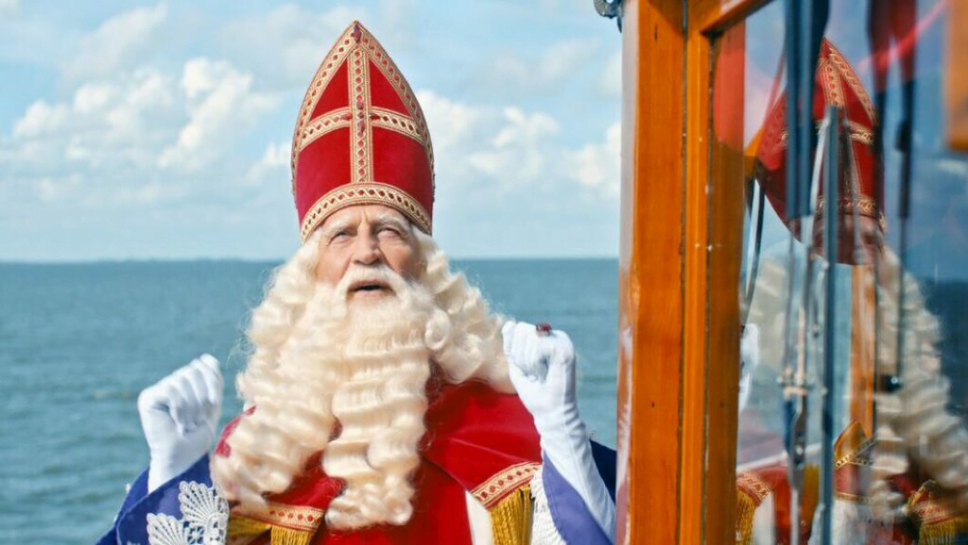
(725, 188)
(679, 282)
(958, 76)
(651, 303)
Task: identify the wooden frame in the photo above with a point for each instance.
(957, 91)
(679, 271)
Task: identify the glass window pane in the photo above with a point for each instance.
(888, 306)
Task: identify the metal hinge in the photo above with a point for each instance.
(611, 9)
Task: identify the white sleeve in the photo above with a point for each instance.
(543, 531)
(764, 522)
(479, 521)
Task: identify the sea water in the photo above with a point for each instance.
(78, 342)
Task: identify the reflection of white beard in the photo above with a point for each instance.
(348, 379)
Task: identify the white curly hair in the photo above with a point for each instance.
(350, 383)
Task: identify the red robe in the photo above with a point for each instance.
(477, 441)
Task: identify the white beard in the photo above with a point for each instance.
(319, 357)
(363, 363)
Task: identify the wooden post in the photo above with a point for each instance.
(958, 76)
(679, 277)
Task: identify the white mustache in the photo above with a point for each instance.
(377, 273)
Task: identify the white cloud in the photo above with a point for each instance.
(484, 146)
(284, 47)
(103, 133)
(452, 124)
(518, 152)
(610, 80)
(106, 141)
(553, 67)
(40, 119)
(101, 120)
(274, 165)
(221, 103)
(481, 144)
(953, 167)
(596, 164)
(118, 41)
(9, 7)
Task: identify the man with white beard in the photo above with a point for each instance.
(385, 403)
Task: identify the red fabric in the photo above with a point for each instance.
(313, 183)
(398, 162)
(836, 84)
(384, 94)
(473, 433)
(334, 96)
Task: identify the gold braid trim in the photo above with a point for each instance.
(745, 509)
(493, 490)
(511, 518)
(750, 493)
(242, 529)
(288, 525)
(364, 193)
(940, 521)
(943, 533)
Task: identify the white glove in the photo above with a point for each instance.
(179, 416)
(542, 369)
(749, 353)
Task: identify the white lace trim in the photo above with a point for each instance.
(205, 518)
(543, 531)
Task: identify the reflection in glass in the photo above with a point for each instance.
(894, 320)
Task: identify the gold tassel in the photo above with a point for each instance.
(243, 529)
(287, 536)
(745, 509)
(940, 520)
(511, 518)
(939, 533)
(943, 532)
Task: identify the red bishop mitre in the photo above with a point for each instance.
(361, 137)
(836, 84)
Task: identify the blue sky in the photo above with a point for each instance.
(162, 129)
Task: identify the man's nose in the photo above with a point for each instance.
(366, 251)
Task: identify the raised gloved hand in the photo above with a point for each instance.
(542, 369)
(179, 416)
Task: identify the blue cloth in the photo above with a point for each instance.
(131, 524)
(572, 519)
(606, 460)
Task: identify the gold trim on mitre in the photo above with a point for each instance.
(324, 124)
(364, 193)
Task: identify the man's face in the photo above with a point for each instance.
(868, 236)
(364, 236)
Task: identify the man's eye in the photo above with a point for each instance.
(339, 235)
(390, 230)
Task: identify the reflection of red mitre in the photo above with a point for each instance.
(837, 85)
(361, 137)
